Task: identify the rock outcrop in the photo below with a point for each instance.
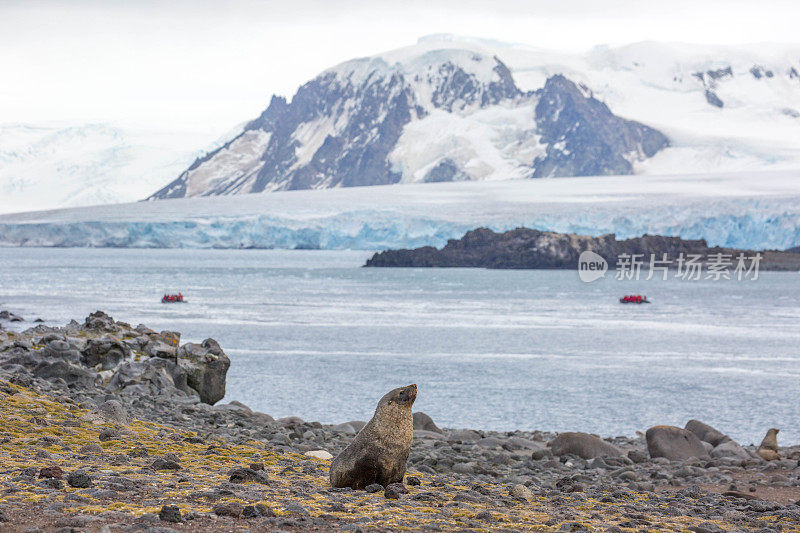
(106, 355)
(583, 136)
(206, 366)
(529, 248)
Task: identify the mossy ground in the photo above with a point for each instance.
(36, 431)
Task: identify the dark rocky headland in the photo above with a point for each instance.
(524, 248)
(108, 427)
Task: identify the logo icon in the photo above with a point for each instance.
(591, 266)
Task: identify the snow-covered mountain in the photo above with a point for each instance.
(456, 109)
(43, 166)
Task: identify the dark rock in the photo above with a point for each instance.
(425, 423)
(157, 348)
(206, 366)
(53, 472)
(706, 527)
(394, 490)
(99, 321)
(638, 456)
(375, 487)
(8, 316)
(112, 411)
(91, 449)
(263, 510)
(250, 511)
(413, 481)
(170, 513)
(165, 464)
(138, 451)
(150, 377)
(295, 508)
(108, 434)
(538, 455)
(713, 99)
(71, 374)
(446, 170)
(673, 443)
(51, 483)
(583, 136)
(583, 445)
(105, 352)
(245, 475)
(706, 433)
(528, 248)
(233, 509)
(61, 349)
(79, 479)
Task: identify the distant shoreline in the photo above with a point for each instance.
(524, 248)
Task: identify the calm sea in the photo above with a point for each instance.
(312, 334)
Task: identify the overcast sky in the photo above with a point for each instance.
(211, 65)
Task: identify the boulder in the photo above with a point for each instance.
(234, 407)
(149, 377)
(157, 348)
(706, 433)
(674, 443)
(106, 352)
(61, 349)
(289, 421)
(8, 316)
(520, 443)
(357, 425)
(71, 374)
(464, 435)
(99, 321)
(424, 422)
(113, 412)
(320, 454)
(345, 428)
(521, 491)
(430, 435)
(583, 445)
(729, 448)
(206, 366)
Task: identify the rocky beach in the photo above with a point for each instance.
(111, 427)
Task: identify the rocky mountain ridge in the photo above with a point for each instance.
(363, 123)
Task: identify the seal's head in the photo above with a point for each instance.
(396, 404)
(404, 396)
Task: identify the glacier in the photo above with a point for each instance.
(751, 210)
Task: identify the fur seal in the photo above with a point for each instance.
(378, 454)
(768, 450)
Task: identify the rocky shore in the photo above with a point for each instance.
(109, 427)
(524, 248)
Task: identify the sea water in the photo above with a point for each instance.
(312, 334)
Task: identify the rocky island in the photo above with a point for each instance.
(525, 248)
(109, 427)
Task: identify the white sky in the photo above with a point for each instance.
(211, 65)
